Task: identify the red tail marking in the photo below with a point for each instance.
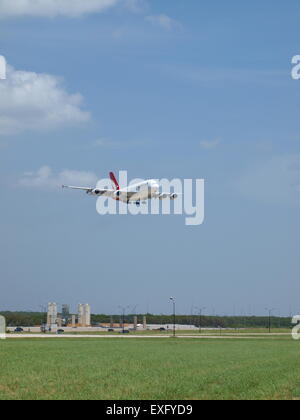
(114, 180)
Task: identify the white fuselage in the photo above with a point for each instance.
(145, 190)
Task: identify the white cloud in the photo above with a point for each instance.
(275, 181)
(45, 178)
(31, 101)
(136, 6)
(210, 144)
(52, 8)
(164, 22)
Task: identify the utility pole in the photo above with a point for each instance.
(270, 314)
(172, 299)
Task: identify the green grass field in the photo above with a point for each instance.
(149, 369)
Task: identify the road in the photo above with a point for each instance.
(53, 336)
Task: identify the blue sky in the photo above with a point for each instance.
(169, 90)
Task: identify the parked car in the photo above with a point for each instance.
(111, 330)
(19, 330)
(60, 331)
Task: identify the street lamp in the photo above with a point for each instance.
(123, 309)
(270, 314)
(172, 299)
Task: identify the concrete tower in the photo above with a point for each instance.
(84, 315)
(52, 315)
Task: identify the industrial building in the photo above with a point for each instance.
(55, 320)
(84, 315)
(52, 315)
(65, 311)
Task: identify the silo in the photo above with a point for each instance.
(87, 315)
(52, 315)
(81, 315)
(84, 315)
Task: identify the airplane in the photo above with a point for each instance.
(146, 190)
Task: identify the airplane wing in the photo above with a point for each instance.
(93, 191)
(78, 188)
(166, 196)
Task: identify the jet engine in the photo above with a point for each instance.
(117, 194)
(96, 192)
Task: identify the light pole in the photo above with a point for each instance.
(270, 314)
(172, 299)
(123, 309)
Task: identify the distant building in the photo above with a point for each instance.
(52, 315)
(65, 312)
(84, 315)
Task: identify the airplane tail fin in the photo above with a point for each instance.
(114, 180)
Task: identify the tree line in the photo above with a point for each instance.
(30, 319)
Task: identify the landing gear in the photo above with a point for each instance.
(137, 203)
